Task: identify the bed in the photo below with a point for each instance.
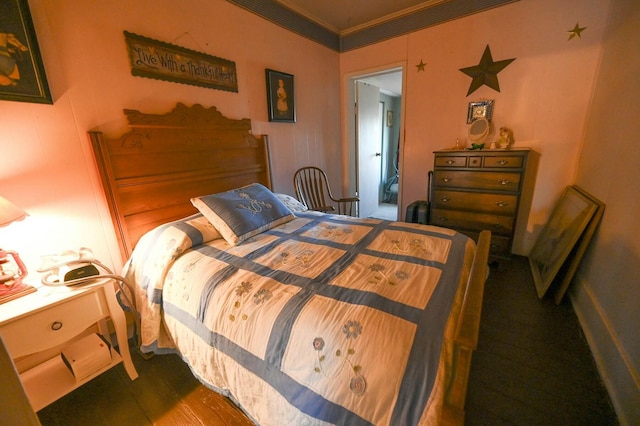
(299, 317)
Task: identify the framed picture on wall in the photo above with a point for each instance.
(280, 97)
(22, 76)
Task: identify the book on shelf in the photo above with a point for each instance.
(10, 292)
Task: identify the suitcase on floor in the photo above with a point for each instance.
(418, 212)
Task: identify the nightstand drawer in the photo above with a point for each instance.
(496, 181)
(52, 326)
(472, 221)
(480, 202)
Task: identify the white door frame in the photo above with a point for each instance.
(348, 125)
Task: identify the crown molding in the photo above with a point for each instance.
(394, 25)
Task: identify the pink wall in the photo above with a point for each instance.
(46, 165)
(606, 290)
(544, 94)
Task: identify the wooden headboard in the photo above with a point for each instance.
(150, 173)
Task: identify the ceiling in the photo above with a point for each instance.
(389, 83)
(344, 25)
(343, 17)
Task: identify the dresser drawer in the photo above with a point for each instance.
(473, 221)
(500, 245)
(496, 181)
(504, 162)
(482, 202)
(451, 161)
(52, 326)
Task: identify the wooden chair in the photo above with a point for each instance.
(313, 190)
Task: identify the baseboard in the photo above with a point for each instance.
(614, 365)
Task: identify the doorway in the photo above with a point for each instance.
(375, 123)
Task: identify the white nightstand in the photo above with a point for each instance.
(36, 327)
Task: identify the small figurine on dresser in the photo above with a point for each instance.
(506, 138)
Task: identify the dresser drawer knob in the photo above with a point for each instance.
(450, 162)
(445, 199)
(57, 325)
(446, 179)
(504, 181)
(502, 204)
(503, 162)
(443, 219)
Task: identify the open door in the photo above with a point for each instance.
(368, 147)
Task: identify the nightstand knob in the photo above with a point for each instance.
(502, 204)
(57, 325)
(504, 181)
(502, 162)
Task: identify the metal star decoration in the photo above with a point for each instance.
(421, 66)
(486, 72)
(576, 31)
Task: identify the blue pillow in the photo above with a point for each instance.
(243, 212)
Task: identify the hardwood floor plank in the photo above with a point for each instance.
(106, 400)
(533, 364)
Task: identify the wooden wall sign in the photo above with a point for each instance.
(156, 59)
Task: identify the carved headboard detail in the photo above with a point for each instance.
(150, 173)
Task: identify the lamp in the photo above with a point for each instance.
(9, 212)
(10, 275)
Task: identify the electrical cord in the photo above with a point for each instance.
(85, 256)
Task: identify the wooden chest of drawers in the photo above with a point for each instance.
(476, 190)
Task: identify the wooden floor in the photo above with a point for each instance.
(532, 367)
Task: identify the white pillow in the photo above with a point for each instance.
(292, 204)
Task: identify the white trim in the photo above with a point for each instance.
(615, 366)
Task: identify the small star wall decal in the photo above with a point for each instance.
(421, 66)
(575, 32)
(486, 72)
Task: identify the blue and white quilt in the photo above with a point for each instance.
(325, 319)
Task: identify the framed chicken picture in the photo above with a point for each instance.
(22, 76)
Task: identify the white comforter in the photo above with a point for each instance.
(323, 320)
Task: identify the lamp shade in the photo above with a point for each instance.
(9, 212)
